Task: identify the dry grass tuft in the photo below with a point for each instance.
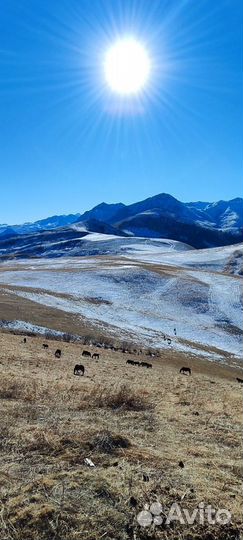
(14, 389)
(121, 397)
(107, 442)
(10, 391)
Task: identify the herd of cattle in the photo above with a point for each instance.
(79, 369)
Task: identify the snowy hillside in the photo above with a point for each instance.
(76, 240)
(228, 259)
(142, 293)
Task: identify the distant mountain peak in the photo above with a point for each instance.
(200, 224)
(102, 212)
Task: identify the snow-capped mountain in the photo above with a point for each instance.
(46, 224)
(198, 224)
(225, 216)
(163, 202)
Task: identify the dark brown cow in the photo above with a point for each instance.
(45, 346)
(58, 353)
(96, 355)
(239, 380)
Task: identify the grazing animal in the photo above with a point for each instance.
(86, 353)
(78, 370)
(58, 353)
(185, 370)
(239, 380)
(181, 464)
(24, 339)
(96, 355)
(135, 363)
(131, 362)
(146, 364)
(45, 346)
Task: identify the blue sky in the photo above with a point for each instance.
(67, 143)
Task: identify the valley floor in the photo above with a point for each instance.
(135, 424)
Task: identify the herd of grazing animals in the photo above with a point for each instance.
(142, 364)
(79, 369)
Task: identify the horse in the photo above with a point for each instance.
(78, 370)
(185, 370)
(146, 364)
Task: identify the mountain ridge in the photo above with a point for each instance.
(199, 224)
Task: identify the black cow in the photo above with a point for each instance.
(96, 355)
(45, 346)
(146, 364)
(86, 353)
(185, 370)
(58, 353)
(24, 339)
(78, 370)
(239, 380)
(131, 362)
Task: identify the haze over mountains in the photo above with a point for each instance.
(199, 224)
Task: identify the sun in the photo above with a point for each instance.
(127, 66)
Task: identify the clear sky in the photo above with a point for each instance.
(67, 142)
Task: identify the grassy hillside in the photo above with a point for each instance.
(135, 424)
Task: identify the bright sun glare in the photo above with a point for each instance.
(127, 66)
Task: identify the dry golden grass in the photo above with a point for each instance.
(135, 424)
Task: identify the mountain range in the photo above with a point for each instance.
(199, 224)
